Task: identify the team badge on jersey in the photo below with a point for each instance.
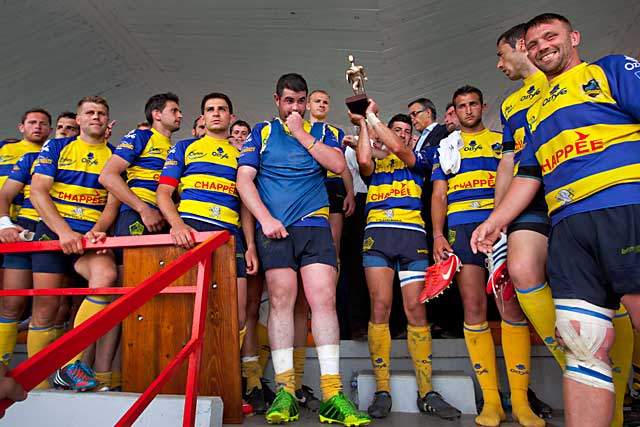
(592, 88)
(565, 196)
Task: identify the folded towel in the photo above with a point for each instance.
(449, 152)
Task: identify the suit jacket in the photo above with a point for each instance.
(430, 145)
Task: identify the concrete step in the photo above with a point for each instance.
(456, 387)
(64, 408)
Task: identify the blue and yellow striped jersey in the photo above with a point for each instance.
(470, 192)
(394, 195)
(513, 113)
(10, 153)
(22, 172)
(206, 169)
(75, 166)
(584, 138)
(289, 180)
(146, 152)
(338, 135)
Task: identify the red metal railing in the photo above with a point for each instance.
(35, 369)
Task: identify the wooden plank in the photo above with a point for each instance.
(153, 335)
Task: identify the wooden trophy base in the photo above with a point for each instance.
(357, 104)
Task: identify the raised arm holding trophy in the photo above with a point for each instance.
(357, 104)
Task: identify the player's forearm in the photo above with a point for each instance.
(166, 205)
(364, 153)
(248, 223)
(116, 186)
(251, 198)
(347, 179)
(438, 212)
(48, 211)
(328, 157)
(394, 144)
(504, 176)
(109, 214)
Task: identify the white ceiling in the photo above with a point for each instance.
(55, 52)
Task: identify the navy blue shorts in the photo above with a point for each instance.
(533, 218)
(129, 223)
(20, 261)
(459, 239)
(241, 265)
(303, 246)
(336, 192)
(396, 248)
(51, 262)
(595, 256)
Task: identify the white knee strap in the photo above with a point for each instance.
(587, 332)
(408, 276)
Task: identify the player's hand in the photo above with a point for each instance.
(181, 235)
(9, 389)
(295, 122)
(95, 236)
(10, 235)
(152, 219)
(372, 107)
(356, 119)
(484, 236)
(273, 229)
(251, 259)
(440, 249)
(109, 131)
(349, 204)
(350, 141)
(71, 242)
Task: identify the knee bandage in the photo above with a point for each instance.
(587, 333)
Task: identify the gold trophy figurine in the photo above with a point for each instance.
(357, 104)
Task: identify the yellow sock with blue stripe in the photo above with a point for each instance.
(621, 354)
(516, 346)
(537, 304)
(482, 353)
(37, 340)
(419, 344)
(91, 305)
(379, 338)
(264, 348)
(8, 338)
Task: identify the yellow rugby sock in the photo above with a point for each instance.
(116, 379)
(419, 344)
(621, 354)
(380, 351)
(242, 332)
(104, 380)
(250, 368)
(330, 385)
(299, 356)
(287, 380)
(516, 346)
(8, 338)
(91, 305)
(264, 349)
(482, 353)
(37, 340)
(537, 304)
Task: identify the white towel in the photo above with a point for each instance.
(449, 151)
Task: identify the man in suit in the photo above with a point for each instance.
(423, 117)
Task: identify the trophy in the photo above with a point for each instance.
(358, 103)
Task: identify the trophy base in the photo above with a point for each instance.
(357, 104)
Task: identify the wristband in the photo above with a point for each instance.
(373, 119)
(437, 236)
(313, 144)
(5, 222)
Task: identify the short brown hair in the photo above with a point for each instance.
(94, 99)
